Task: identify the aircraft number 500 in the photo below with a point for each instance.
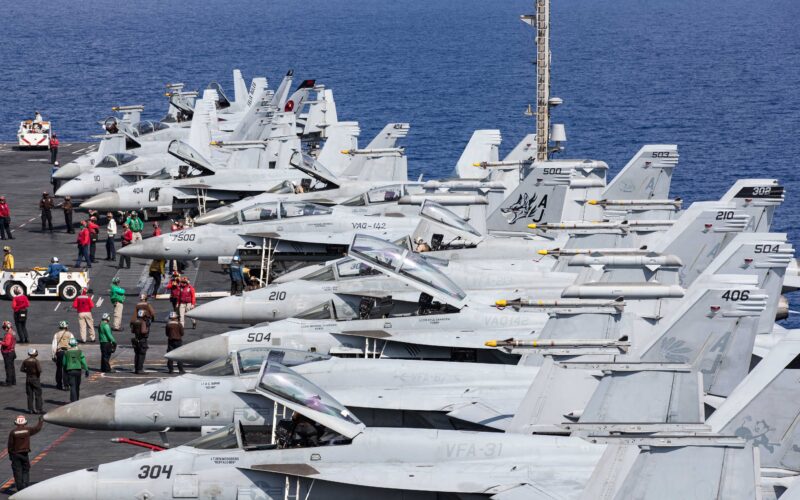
(258, 336)
(735, 295)
(154, 471)
(277, 295)
(161, 396)
(552, 171)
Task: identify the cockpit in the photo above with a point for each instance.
(275, 210)
(139, 129)
(250, 360)
(346, 268)
(115, 160)
(388, 256)
(444, 216)
(375, 196)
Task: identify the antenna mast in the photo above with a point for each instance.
(541, 23)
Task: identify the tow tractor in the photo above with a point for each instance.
(69, 286)
(34, 133)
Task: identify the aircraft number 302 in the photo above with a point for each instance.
(154, 471)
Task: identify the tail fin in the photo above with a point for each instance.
(553, 191)
(200, 131)
(341, 136)
(482, 147)
(110, 144)
(296, 101)
(240, 96)
(647, 175)
(387, 138)
(390, 164)
(321, 113)
(714, 329)
(764, 408)
(763, 255)
(523, 152)
(258, 89)
(759, 197)
(282, 93)
(699, 235)
(249, 126)
(719, 467)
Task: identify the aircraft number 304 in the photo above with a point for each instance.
(154, 471)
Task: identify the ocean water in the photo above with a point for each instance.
(719, 77)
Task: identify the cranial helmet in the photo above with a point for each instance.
(20, 420)
(73, 342)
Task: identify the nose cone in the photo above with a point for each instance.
(214, 216)
(201, 351)
(75, 188)
(67, 171)
(151, 248)
(96, 412)
(103, 201)
(78, 485)
(225, 310)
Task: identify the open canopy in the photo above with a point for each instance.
(407, 266)
(115, 160)
(285, 386)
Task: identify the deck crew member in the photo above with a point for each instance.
(19, 445)
(59, 346)
(108, 344)
(20, 305)
(46, 206)
(174, 332)
(5, 219)
(140, 330)
(84, 305)
(68, 208)
(53, 148)
(74, 364)
(33, 385)
(8, 349)
(117, 296)
(111, 233)
(8, 259)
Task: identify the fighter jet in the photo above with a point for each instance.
(315, 453)
(446, 329)
(687, 238)
(442, 394)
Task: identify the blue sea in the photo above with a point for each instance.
(718, 77)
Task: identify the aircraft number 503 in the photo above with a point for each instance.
(154, 471)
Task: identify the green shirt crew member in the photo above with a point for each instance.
(108, 344)
(74, 363)
(135, 224)
(117, 295)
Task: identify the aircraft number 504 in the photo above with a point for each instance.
(258, 336)
(161, 396)
(154, 471)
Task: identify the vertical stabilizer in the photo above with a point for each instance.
(482, 147)
(647, 176)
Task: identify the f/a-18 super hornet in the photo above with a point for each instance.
(438, 320)
(430, 392)
(205, 182)
(145, 138)
(327, 239)
(692, 240)
(325, 451)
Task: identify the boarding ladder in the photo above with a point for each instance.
(266, 260)
(202, 197)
